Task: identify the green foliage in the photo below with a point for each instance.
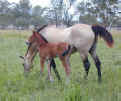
(104, 11)
(60, 12)
(20, 14)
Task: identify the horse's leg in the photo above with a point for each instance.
(53, 65)
(66, 67)
(68, 60)
(49, 71)
(42, 61)
(97, 63)
(86, 63)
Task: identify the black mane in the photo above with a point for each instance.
(41, 34)
(43, 38)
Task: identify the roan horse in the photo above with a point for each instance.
(83, 38)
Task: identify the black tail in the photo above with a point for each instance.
(67, 51)
(102, 32)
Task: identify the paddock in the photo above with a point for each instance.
(15, 86)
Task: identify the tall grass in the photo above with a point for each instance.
(14, 86)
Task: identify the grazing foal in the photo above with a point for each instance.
(48, 51)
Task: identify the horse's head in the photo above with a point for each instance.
(29, 56)
(36, 36)
(31, 39)
(32, 44)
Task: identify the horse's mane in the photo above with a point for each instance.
(41, 28)
(43, 38)
(41, 34)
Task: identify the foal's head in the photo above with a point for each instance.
(31, 39)
(29, 56)
(36, 38)
(32, 43)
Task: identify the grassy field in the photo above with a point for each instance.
(14, 86)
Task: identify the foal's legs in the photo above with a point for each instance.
(42, 61)
(66, 66)
(97, 63)
(49, 71)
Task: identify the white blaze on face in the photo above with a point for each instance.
(27, 62)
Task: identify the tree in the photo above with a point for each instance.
(59, 12)
(56, 11)
(37, 15)
(22, 12)
(6, 18)
(105, 11)
(4, 6)
(37, 11)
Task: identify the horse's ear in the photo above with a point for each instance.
(34, 32)
(21, 57)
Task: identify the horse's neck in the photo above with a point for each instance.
(39, 40)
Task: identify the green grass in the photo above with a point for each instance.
(14, 86)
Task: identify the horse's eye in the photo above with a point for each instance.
(27, 43)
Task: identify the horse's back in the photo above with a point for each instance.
(82, 30)
(81, 37)
(53, 34)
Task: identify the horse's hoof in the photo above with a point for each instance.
(26, 74)
(99, 80)
(59, 79)
(67, 81)
(51, 79)
(85, 77)
(41, 73)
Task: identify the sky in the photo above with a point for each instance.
(42, 3)
(46, 3)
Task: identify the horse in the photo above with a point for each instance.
(82, 37)
(48, 51)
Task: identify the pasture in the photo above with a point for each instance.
(14, 86)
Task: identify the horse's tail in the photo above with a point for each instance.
(102, 32)
(66, 51)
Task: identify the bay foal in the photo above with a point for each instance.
(48, 51)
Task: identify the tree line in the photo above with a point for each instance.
(22, 14)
